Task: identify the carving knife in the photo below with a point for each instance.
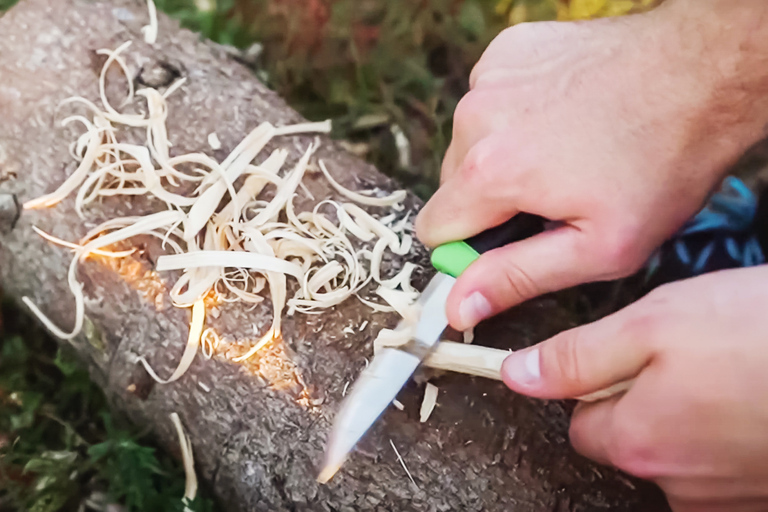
(380, 382)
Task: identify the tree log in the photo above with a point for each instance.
(258, 428)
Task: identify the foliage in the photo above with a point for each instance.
(374, 67)
(60, 447)
(518, 11)
(6, 4)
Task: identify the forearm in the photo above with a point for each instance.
(726, 46)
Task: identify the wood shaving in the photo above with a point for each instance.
(402, 463)
(390, 200)
(230, 227)
(213, 141)
(150, 31)
(429, 402)
(398, 404)
(210, 342)
(193, 341)
(190, 486)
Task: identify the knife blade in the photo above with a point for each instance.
(391, 368)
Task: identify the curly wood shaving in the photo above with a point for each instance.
(239, 249)
(428, 403)
(248, 260)
(193, 341)
(77, 290)
(390, 200)
(140, 226)
(150, 31)
(112, 114)
(210, 342)
(76, 247)
(266, 339)
(190, 486)
(75, 179)
(285, 192)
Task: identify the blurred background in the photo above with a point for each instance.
(389, 73)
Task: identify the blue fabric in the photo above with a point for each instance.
(719, 236)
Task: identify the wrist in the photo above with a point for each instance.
(722, 45)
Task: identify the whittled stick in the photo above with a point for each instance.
(486, 362)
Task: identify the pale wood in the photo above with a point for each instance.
(469, 359)
(486, 362)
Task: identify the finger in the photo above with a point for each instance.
(710, 505)
(586, 359)
(477, 115)
(590, 429)
(504, 277)
(450, 165)
(479, 196)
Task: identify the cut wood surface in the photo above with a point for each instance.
(258, 428)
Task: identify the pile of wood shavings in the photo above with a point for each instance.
(219, 230)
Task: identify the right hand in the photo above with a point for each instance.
(617, 128)
(696, 417)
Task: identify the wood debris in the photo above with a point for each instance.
(429, 402)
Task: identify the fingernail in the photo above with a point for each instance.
(473, 309)
(523, 368)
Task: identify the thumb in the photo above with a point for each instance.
(583, 360)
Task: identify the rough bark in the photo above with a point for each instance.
(258, 433)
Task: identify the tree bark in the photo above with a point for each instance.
(258, 428)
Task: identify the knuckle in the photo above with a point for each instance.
(566, 362)
(467, 111)
(517, 33)
(647, 322)
(474, 168)
(519, 284)
(629, 447)
(622, 253)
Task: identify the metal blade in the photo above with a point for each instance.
(379, 384)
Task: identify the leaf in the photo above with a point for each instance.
(585, 9)
(50, 461)
(30, 402)
(49, 502)
(472, 18)
(67, 365)
(618, 7)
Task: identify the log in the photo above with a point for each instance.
(258, 428)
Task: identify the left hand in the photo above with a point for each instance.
(696, 419)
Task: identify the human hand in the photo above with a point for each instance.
(617, 128)
(696, 419)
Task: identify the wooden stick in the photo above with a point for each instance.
(486, 362)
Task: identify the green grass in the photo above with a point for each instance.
(371, 66)
(6, 4)
(60, 446)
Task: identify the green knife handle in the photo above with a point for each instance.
(453, 258)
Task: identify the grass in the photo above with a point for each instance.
(60, 446)
(386, 71)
